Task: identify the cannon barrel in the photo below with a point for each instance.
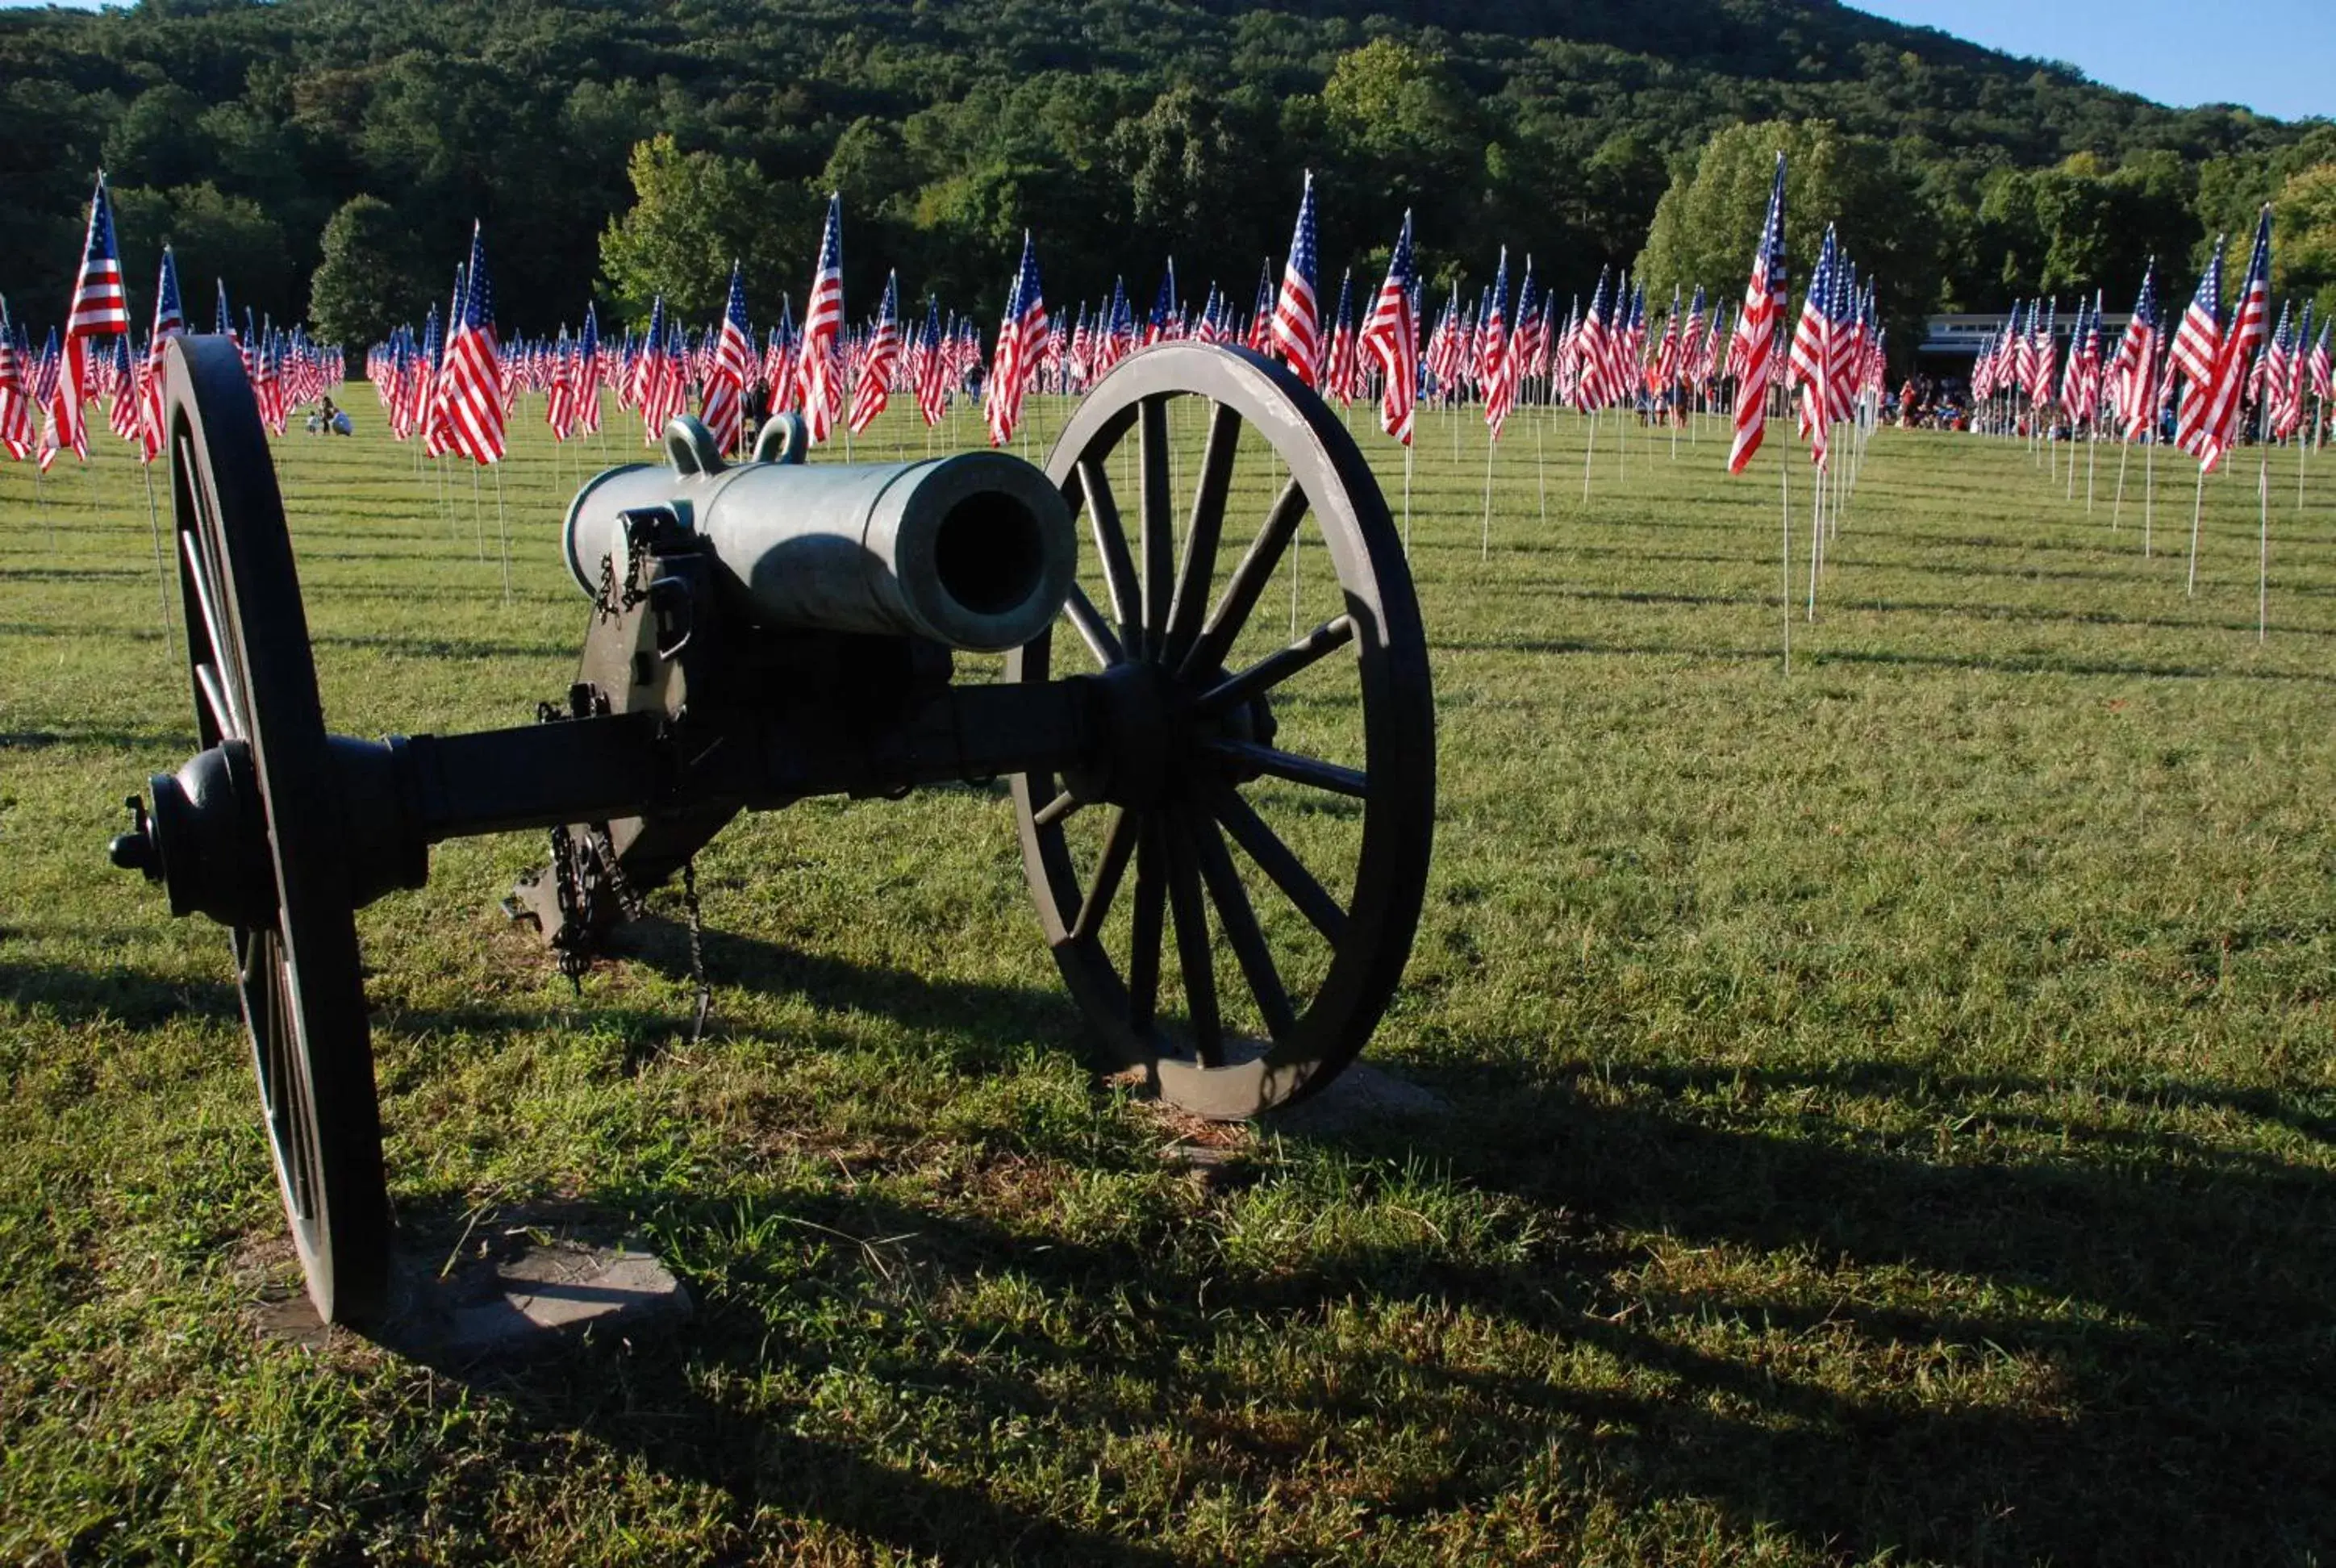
(975, 550)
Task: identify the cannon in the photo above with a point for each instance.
(1195, 797)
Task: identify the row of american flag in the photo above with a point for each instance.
(454, 386)
(2215, 367)
(62, 379)
(838, 376)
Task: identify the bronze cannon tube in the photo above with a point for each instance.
(975, 550)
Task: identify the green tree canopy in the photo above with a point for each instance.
(2303, 235)
(360, 290)
(693, 214)
(1708, 224)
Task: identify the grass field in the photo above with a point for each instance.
(1892, 1108)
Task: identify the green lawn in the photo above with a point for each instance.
(1892, 1108)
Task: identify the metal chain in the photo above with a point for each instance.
(697, 950)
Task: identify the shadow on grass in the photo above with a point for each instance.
(2154, 1313)
(2111, 1345)
(1814, 657)
(129, 997)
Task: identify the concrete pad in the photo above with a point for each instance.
(521, 1290)
(531, 1301)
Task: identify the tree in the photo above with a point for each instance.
(215, 236)
(2303, 235)
(1707, 223)
(693, 214)
(361, 289)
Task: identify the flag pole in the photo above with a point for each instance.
(1540, 463)
(2263, 540)
(2125, 451)
(1407, 500)
(154, 520)
(1484, 544)
(502, 532)
(2148, 488)
(1589, 447)
(2197, 500)
(2262, 512)
(478, 517)
(1785, 479)
(1816, 536)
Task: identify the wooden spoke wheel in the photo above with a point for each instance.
(296, 948)
(1231, 888)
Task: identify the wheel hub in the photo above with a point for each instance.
(1155, 739)
(207, 839)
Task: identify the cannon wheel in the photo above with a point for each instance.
(1196, 761)
(255, 682)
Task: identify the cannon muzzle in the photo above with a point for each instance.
(974, 551)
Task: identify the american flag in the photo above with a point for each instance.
(559, 403)
(2304, 355)
(1296, 319)
(42, 377)
(1845, 342)
(1665, 372)
(1443, 356)
(1205, 327)
(1119, 332)
(588, 372)
(2080, 385)
(1757, 324)
(819, 371)
(2319, 369)
(1496, 367)
(779, 358)
(473, 372)
(2043, 365)
(1341, 376)
(1261, 315)
(1634, 343)
(2197, 343)
(1529, 344)
(873, 389)
(2285, 395)
(1566, 361)
(15, 398)
(169, 321)
(723, 408)
(1163, 307)
(2132, 375)
(99, 309)
(121, 418)
(1019, 335)
(1080, 354)
(1391, 333)
(2246, 334)
(933, 367)
(1590, 351)
(267, 380)
(438, 420)
(1812, 359)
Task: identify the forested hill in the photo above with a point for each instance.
(1118, 131)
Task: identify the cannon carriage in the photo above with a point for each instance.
(764, 631)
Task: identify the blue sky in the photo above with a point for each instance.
(2277, 57)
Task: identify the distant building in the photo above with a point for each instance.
(1951, 342)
